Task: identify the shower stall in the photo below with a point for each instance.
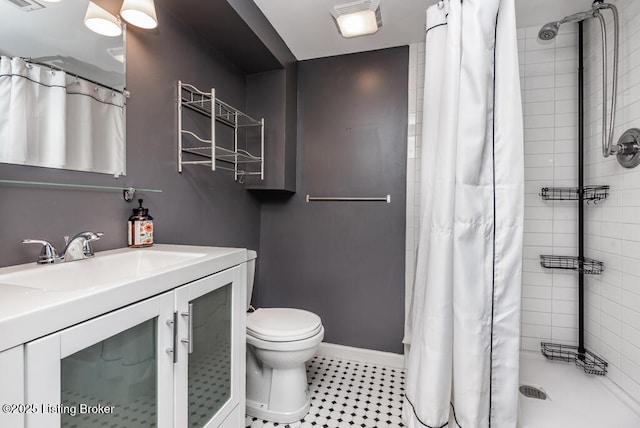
(581, 205)
(580, 86)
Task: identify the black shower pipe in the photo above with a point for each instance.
(581, 349)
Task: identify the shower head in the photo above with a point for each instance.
(549, 31)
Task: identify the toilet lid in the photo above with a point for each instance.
(282, 324)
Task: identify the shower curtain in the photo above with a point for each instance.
(52, 119)
(32, 113)
(98, 116)
(464, 322)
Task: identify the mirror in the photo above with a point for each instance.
(55, 34)
(78, 123)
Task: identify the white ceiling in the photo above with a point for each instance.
(310, 32)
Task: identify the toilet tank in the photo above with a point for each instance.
(251, 273)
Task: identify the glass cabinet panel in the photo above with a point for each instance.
(119, 374)
(209, 372)
(209, 366)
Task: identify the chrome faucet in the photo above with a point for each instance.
(76, 248)
(79, 247)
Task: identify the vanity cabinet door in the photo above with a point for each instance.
(209, 373)
(12, 389)
(113, 370)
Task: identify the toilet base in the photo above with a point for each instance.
(276, 395)
(260, 411)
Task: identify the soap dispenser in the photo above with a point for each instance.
(140, 227)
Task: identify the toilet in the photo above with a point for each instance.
(279, 343)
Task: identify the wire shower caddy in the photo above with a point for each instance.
(579, 355)
(584, 265)
(588, 361)
(589, 193)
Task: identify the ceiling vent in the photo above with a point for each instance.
(357, 18)
(26, 5)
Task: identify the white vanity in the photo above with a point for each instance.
(149, 337)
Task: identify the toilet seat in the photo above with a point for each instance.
(283, 324)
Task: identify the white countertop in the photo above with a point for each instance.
(29, 313)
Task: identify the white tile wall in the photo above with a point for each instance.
(549, 87)
(613, 232)
(414, 141)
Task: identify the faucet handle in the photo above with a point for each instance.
(95, 236)
(88, 237)
(48, 254)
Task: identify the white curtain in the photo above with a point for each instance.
(464, 324)
(32, 114)
(51, 119)
(96, 115)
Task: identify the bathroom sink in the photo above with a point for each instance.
(100, 271)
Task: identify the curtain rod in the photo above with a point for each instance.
(77, 76)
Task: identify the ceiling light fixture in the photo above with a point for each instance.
(102, 22)
(357, 18)
(141, 13)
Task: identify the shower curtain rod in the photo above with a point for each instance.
(76, 75)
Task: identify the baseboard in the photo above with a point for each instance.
(387, 359)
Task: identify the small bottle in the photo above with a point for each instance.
(140, 227)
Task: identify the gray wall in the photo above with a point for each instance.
(196, 207)
(344, 260)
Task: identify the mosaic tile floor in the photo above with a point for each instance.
(209, 384)
(350, 394)
(208, 391)
(140, 413)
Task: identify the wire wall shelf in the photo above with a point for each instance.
(199, 101)
(587, 361)
(589, 193)
(586, 265)
(193, 149)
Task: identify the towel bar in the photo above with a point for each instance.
(386, 199)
